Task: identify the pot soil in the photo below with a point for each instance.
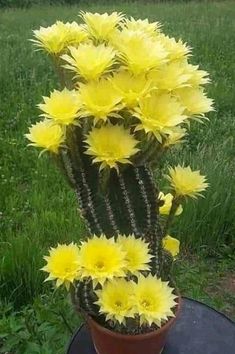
(108, 342)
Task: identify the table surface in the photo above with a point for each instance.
(198, 330)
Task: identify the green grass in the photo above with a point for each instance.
(37, 207)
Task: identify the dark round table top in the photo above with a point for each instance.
(198, 330)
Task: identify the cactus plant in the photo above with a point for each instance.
(128, 103)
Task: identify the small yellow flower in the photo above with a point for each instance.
(55, 39)
(137, 253)
(63, 264)
(102, 259)
(176, 50)
(61, 106)
(196, 77)
(46, 135)
(131, 88)
(76, 33)
(100, 100)
(52, 38)
(116, 300)
(148, 28)
(90, 61)
(158, 113)
(110, 145)
(132, 45)
(170, 77)
(154, 300)
(175, 136)
(172, 245)
(102, 26)
(165, 209)
(195, 101)
(186, 182)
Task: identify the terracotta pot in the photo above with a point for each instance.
(109, 342)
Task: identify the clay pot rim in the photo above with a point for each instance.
(141, 335)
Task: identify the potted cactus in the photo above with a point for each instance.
(128, 95)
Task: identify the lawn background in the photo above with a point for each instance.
(37, 208)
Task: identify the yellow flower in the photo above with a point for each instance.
(101, 26)
(132, 45)
(171, 245)
(116, 300)
(195, 101)
(154, 300)
(137, 253)
(76, 33)
(158, 113)
(196, 77)
(110, 145)
(186, 182)
(176, 50)
(46, 135)
(90, 61)
(101, 259)
(100, 100)
(52, 38)
(55, 39)
(165, 209)
(150, 29)
(61, 106)
(63, 264)
(175, 136)
(130, 87)
(170, 77)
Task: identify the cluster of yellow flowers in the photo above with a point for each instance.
(130, 80)
(150, 298)
(108, 263)
(98, 258)
(127, 86)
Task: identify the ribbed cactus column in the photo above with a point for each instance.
(126, 205)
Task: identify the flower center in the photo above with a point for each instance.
(145, 303)
(100, 265)
(118, 303)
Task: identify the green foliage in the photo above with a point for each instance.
(37, 207)
(41, 328)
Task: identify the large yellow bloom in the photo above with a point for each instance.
(54, 39)
(165, 209)
(110, 145)
(154, 300)
(195, 101)
(170, 77)
(132, 88)
(186, 182)
(159, 112)
(176, 50)
(116, 300)
(132, 45)
(171, 245)
(101, 26)
(137, 253)
(46, 135)
(102, 259)
(90, 61)
(100, 100)
(63, 264)
(61, 106)
(148, 28)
